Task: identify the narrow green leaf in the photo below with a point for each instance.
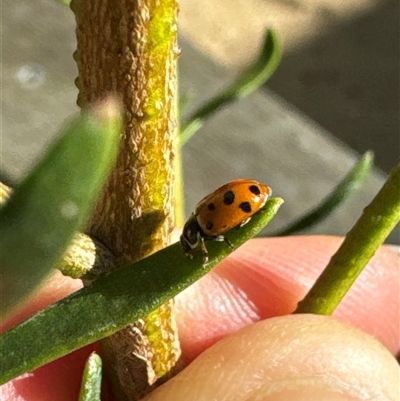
(53, 202)
(91, 379)
(361, 242)
(112, 302)
(249, 81)
(351, 183)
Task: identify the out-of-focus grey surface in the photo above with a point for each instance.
(261, 137)
(348, 77)
(38, 73)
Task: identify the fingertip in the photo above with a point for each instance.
(289, 358)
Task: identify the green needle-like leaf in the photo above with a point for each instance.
(91, 379)
(351, 183)
(361, 242)
(249, 81)
(112, 302)
(52, 203)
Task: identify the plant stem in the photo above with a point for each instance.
(129, 47)
(362, 241)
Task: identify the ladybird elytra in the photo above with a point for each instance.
(230, 206)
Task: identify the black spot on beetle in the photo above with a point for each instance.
(209, 225)
(229, 197)
(245, 207)
(254, 189)
(211, 206)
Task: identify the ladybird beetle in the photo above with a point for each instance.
(230, 206)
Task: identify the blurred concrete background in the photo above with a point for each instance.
(335, 93)
(341, 64)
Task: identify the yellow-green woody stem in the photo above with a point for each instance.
(129, 47)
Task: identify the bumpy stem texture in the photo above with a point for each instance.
(129, 47)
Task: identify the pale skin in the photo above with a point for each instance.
(236, 323)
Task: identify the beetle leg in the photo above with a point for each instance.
(229, 243)
(245, 221)
(225, 239)
(204, 250)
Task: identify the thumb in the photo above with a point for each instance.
(298, 357)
